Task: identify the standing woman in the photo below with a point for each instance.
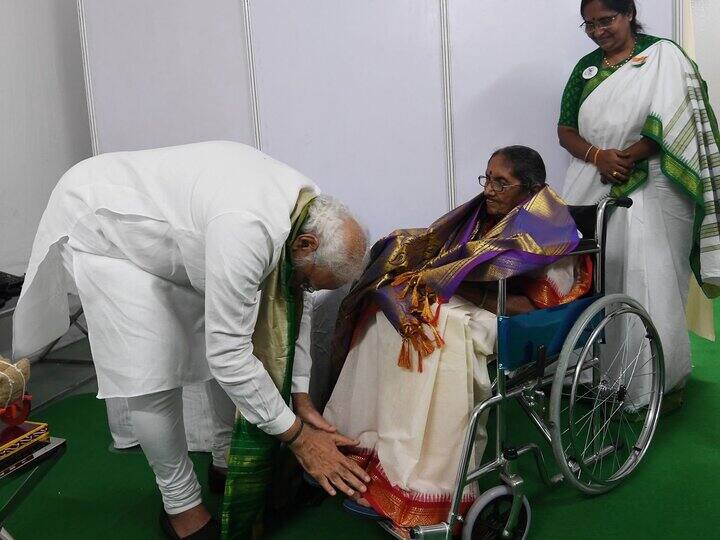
(637, 120)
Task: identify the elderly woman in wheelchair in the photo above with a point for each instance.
(504, 279)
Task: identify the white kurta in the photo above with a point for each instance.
(167, 249)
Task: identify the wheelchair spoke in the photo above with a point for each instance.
(588, 414)
(568, 394)
(601, 445)
(620, 349)
(632, 430)
(604, 425)
(587, 437)
(624, 347)
(637, 359)
(625, 367)
(628, 446)
(617, 447)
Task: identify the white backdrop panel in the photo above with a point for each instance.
(707, 45)
(167, 72)
(511, 60)
(350, 93)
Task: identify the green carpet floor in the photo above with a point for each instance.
(96, 494)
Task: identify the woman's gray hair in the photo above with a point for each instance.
(527, 165)
(339, 251)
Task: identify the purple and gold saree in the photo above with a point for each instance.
(412, 269)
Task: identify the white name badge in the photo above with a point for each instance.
(590, 72)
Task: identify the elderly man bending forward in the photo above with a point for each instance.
(173, 251)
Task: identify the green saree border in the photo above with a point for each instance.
(680, 173)
(644, 42)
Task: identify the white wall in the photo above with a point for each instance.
(508, 77)
(706, 15)
(44, 119)
(44, 115)
(166, 72)
(350, 93)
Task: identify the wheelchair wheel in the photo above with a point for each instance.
(606, 395)
(488, 515)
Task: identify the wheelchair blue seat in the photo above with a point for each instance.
(521, 336)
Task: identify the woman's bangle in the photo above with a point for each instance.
(588, 152)
(597, 151)
(297, 433)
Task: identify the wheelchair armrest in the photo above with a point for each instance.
(586, 245)
(624, 202)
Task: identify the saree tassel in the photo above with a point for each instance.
(436, 318)
(415, 301)
(403, 278)
(404, 358)
(427, 314)
(439, 341)
(410, 283)
(423, 345)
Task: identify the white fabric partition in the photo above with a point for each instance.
(350, 93)
(165, 72)
(706, 14)
(353, 93)
(511, 60)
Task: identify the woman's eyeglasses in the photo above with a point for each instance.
(496, 185)
(600, 24)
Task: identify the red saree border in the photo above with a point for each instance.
(405, 508)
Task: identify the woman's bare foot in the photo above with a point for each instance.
(190, 521)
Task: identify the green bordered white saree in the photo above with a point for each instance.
(673, 224)
(659, 94)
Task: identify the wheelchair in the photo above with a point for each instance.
(598, 431)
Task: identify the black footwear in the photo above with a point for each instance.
(216, 479)
(363, 511)
(209, 531)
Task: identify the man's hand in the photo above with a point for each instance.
(317, 451)
(304, 408)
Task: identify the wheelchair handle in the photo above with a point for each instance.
(623, 202)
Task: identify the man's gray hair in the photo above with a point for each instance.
(338, 251)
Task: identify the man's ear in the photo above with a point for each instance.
(305, 243)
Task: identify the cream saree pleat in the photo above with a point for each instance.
(413, 423)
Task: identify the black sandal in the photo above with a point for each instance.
(216, 479)
(209, 531)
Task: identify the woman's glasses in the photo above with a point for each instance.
(600, 24)
(497, 186)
